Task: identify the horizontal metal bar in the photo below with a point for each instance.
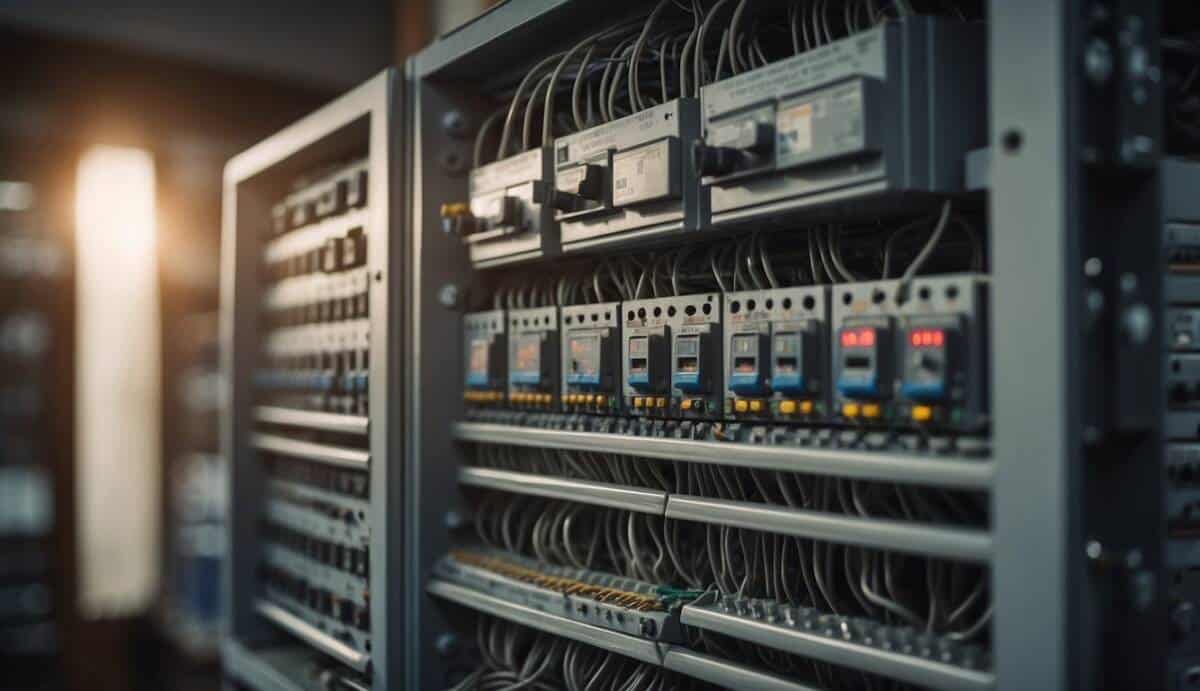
(583, 491)
(933, 471)
(312, 419)
(639, 649)
(960, 544)
(726, 674)
(252, 669)
(323, 453)
(313, 636)
(907, 668)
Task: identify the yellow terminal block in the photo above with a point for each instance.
(590, 399)
(850, 410)
(638, 401)
(756, 406)
(871, 411)
(601, 400)
(787, 407)
(660, 402)
(496, 395)
(686, 404)
(546, 399)
(922, 413)
(806, 407)
(741, 405)
(456, 209)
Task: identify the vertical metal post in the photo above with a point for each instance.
(1034, 253)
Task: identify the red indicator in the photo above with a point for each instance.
(927, 338)
(858, 338)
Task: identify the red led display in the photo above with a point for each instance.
(858, 338)
(927, 338)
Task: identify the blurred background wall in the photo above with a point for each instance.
(116, 121)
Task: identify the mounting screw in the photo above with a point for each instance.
(454, 520)
(1098, 61)
(1136, 323)
(446, 645)
(454, 124)
(448, 296)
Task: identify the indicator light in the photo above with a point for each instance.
(871, 410)
(741, 406)
(850, 410)
(787, 407)
(922, 413)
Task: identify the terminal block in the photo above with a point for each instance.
(776, 355)
(672, 360)
(591, 358)
(533, 365)
(485, 356)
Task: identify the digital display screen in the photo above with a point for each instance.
(639, 346)
(585, 355)
(477, 363)
(786, 344)
(744, 344)
(687, 345)
(860, 337)
(927, 338)
(745, 354)
(528, 356)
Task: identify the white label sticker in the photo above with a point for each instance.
(568, 179)
(794, 125)
(642, 174)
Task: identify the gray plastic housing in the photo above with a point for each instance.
(533, 358)
(640, 179)
(877, 118)
(955, 305)
(663, 322)
(485, 358)
(591, 358)
(521, 181)
(784, 323)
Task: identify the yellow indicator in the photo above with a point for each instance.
(638, 401)
(922, 413)
(497, 395)
(756, 406)
(455, 209)
(806, 407)
(601, 400)
(660, 402)
(590, 398)
(686, 404)
(871, 410)
(787, 407)
(741, 406)
(850, 409)
(546, 398)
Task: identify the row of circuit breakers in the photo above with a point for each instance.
(871, 354)
(888, 112)
(314, 531)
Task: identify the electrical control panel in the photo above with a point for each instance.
(672, 357)
(777, 355)
(508, 217)
(872, 118)
(630, 179)
(533, 359)
(591, 358)
(485, 347)
(310, 361)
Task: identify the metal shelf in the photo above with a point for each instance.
(960, 544)
(311, 419)
(726, 674)
(933, 471)
(639, 649)
(908, 668)
(322, 453)
(253, 669)
(596, 493)
(313, 636)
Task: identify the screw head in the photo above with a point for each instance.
(448, 295)
(454, 124)
(446, 644)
